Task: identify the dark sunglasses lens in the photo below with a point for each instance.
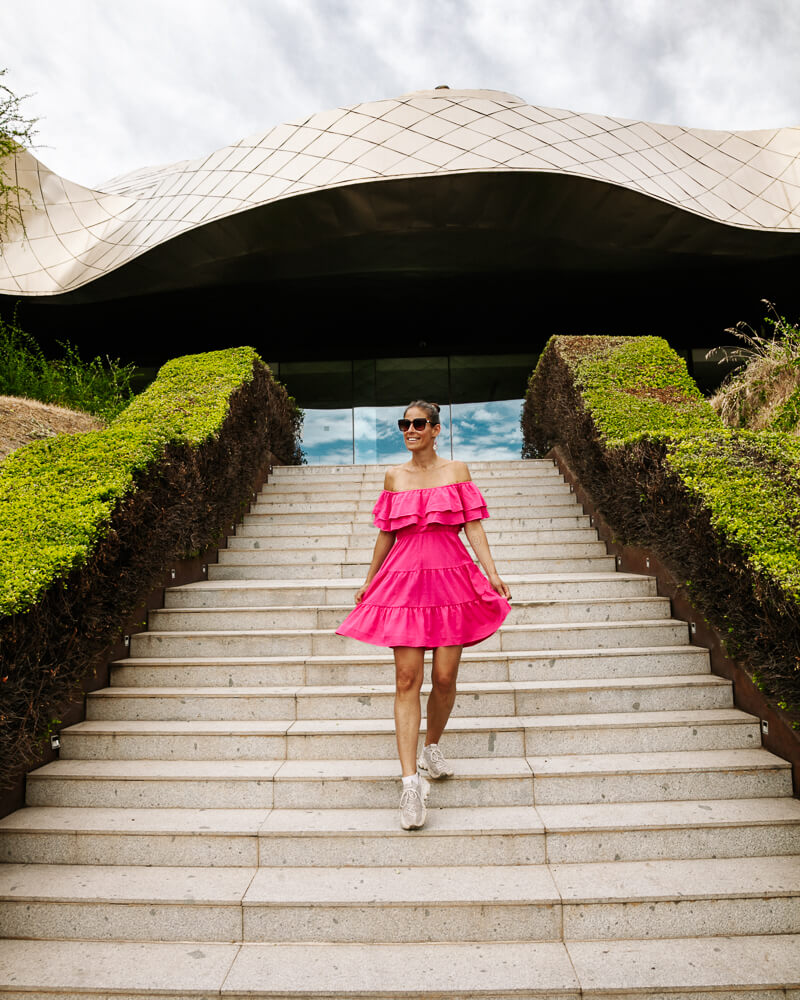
(418, 422)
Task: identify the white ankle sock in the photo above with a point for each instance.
(410, 779)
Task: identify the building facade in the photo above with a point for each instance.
(425, 245)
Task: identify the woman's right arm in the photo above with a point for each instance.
(383, 545)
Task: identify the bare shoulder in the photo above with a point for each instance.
(391, 478)
(461, 472)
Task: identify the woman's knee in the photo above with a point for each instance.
(444, 681)
(408, 681)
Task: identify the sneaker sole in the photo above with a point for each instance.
(422, 766)
(415, 826)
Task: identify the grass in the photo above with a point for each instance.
(101, 387)
(763, 393)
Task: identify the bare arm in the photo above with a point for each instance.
(383, 545)
(480, 544)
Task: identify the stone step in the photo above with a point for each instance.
(376, 471)
(363, 501)
(598, 901)
(373, 784)
(377, 478)
(497, 494)
(489, 472)
(494, 698)
(727, 968)
(250, 551)
(371, 668)
(258, 784)
(322, 642)
(237, 569)
(509, 835)
(723, 968)
(620, 732)
(357, 571)
(76, 835)
(329, 616)
(635, 831)
(690, 898)
(134, 903)
(519, 515)
(611, 901)
(528, 504)
(454, 836)
(494, 487)
(264, 593)
(252, 537)
(256, 525)
(495, 483)
(380, 468)
(363, 536)
(656, 777)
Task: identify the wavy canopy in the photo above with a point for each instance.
(435, 180)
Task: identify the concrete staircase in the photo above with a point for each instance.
(225, 821)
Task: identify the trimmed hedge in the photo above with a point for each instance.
(720, 507)
(89, 522)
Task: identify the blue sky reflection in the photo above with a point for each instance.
(481, 431)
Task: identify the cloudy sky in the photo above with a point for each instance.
(122, 84)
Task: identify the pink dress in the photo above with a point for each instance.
(428, 592)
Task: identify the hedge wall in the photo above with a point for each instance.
(721, 508)
(89, 523)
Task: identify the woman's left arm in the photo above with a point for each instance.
(480, 546)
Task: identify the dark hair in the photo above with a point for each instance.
(431, 409)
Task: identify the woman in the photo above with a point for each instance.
(423, 591)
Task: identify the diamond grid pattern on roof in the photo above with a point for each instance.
(73, 234)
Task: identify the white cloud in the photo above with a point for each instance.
(125, 84)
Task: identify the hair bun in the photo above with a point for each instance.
(438, 408)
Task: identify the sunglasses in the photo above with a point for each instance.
(418, 423)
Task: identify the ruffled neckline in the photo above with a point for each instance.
(450, 504)
(420, 489)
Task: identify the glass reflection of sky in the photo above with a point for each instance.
(369, 434)
(328, 437)
(487, 432)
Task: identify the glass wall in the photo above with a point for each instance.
(351, 407)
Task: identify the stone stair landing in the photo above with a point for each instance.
(224, 823)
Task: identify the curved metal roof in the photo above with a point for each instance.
(72, 235)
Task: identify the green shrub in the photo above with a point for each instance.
(56, 496)
(88, 523)
(720, 507)
(99, 387)
(787, 416)
(637, 386)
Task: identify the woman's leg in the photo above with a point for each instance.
(443, 691)
(408, 664)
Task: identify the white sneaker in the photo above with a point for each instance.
(433, 762)
(412, 804)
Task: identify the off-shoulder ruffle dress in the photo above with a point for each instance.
(428, 592)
